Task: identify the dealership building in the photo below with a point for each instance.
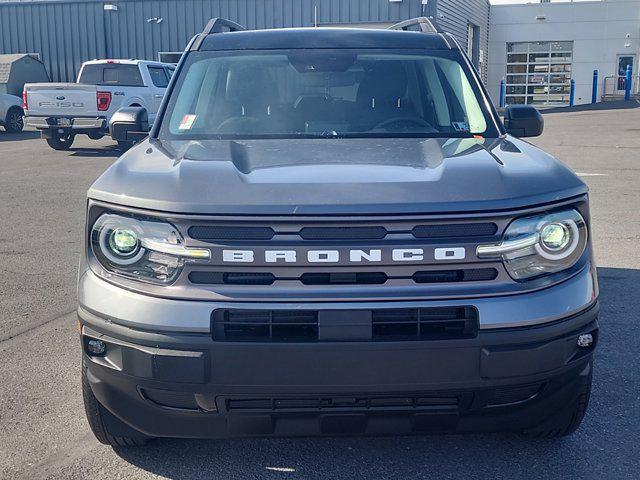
(538, 50)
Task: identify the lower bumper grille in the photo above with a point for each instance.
(357, 403)
(445, 323)
(394, 324)
(397, 402)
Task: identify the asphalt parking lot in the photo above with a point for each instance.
(43, 432)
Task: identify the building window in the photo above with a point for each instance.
(538, 73)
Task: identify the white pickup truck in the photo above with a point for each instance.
(63, 110)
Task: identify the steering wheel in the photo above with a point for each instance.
(238, 125)
(407, 121)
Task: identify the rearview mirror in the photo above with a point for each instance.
(523, 121)
(129, 124)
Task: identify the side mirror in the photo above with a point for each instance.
(129, 124)
(523, 121)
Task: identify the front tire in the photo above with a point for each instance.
(14, 123)
(107, 428)
(568, 420)
(61, 141)
(95, 135)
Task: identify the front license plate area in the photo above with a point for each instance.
(344, 325)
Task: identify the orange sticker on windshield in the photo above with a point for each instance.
(187, 122)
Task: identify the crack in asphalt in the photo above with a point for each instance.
(35, 326)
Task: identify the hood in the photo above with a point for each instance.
(336, 176)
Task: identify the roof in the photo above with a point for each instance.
(128, 61)
(6, 60)
(12, 57)
(290, 38)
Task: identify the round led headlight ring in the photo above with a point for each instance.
(558, 240)
(123, 241)
(120, 245)
(555, 236)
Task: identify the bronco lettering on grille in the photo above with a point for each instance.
(334, 256)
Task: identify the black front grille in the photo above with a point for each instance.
(454, 230)
(231, 278)
(343, 233)
(343, 278)
(212, 233)
(393, 324)
(301, 258)
(449, 276)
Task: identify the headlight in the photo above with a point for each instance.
(141, 249)
(124, 241)
(540, 245)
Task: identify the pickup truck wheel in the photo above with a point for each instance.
(107, 428)
(95, 135)
(14, 123)
(61, 141)
(568, 420)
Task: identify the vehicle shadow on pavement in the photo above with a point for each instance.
(16, 137)
(109, 151)
(595, 107)
(605, 446)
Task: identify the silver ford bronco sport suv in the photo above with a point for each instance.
(332, 232)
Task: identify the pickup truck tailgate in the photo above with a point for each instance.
(61, 100)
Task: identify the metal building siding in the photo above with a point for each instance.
(66, 33)
(63, 33)
(454, 15)
(132, 36)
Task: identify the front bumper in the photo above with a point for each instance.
(183, 384)
(146, 312)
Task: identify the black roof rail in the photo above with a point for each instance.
(425, 24)
(216, 25)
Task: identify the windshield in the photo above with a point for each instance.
(119, 74)
(324, 93)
